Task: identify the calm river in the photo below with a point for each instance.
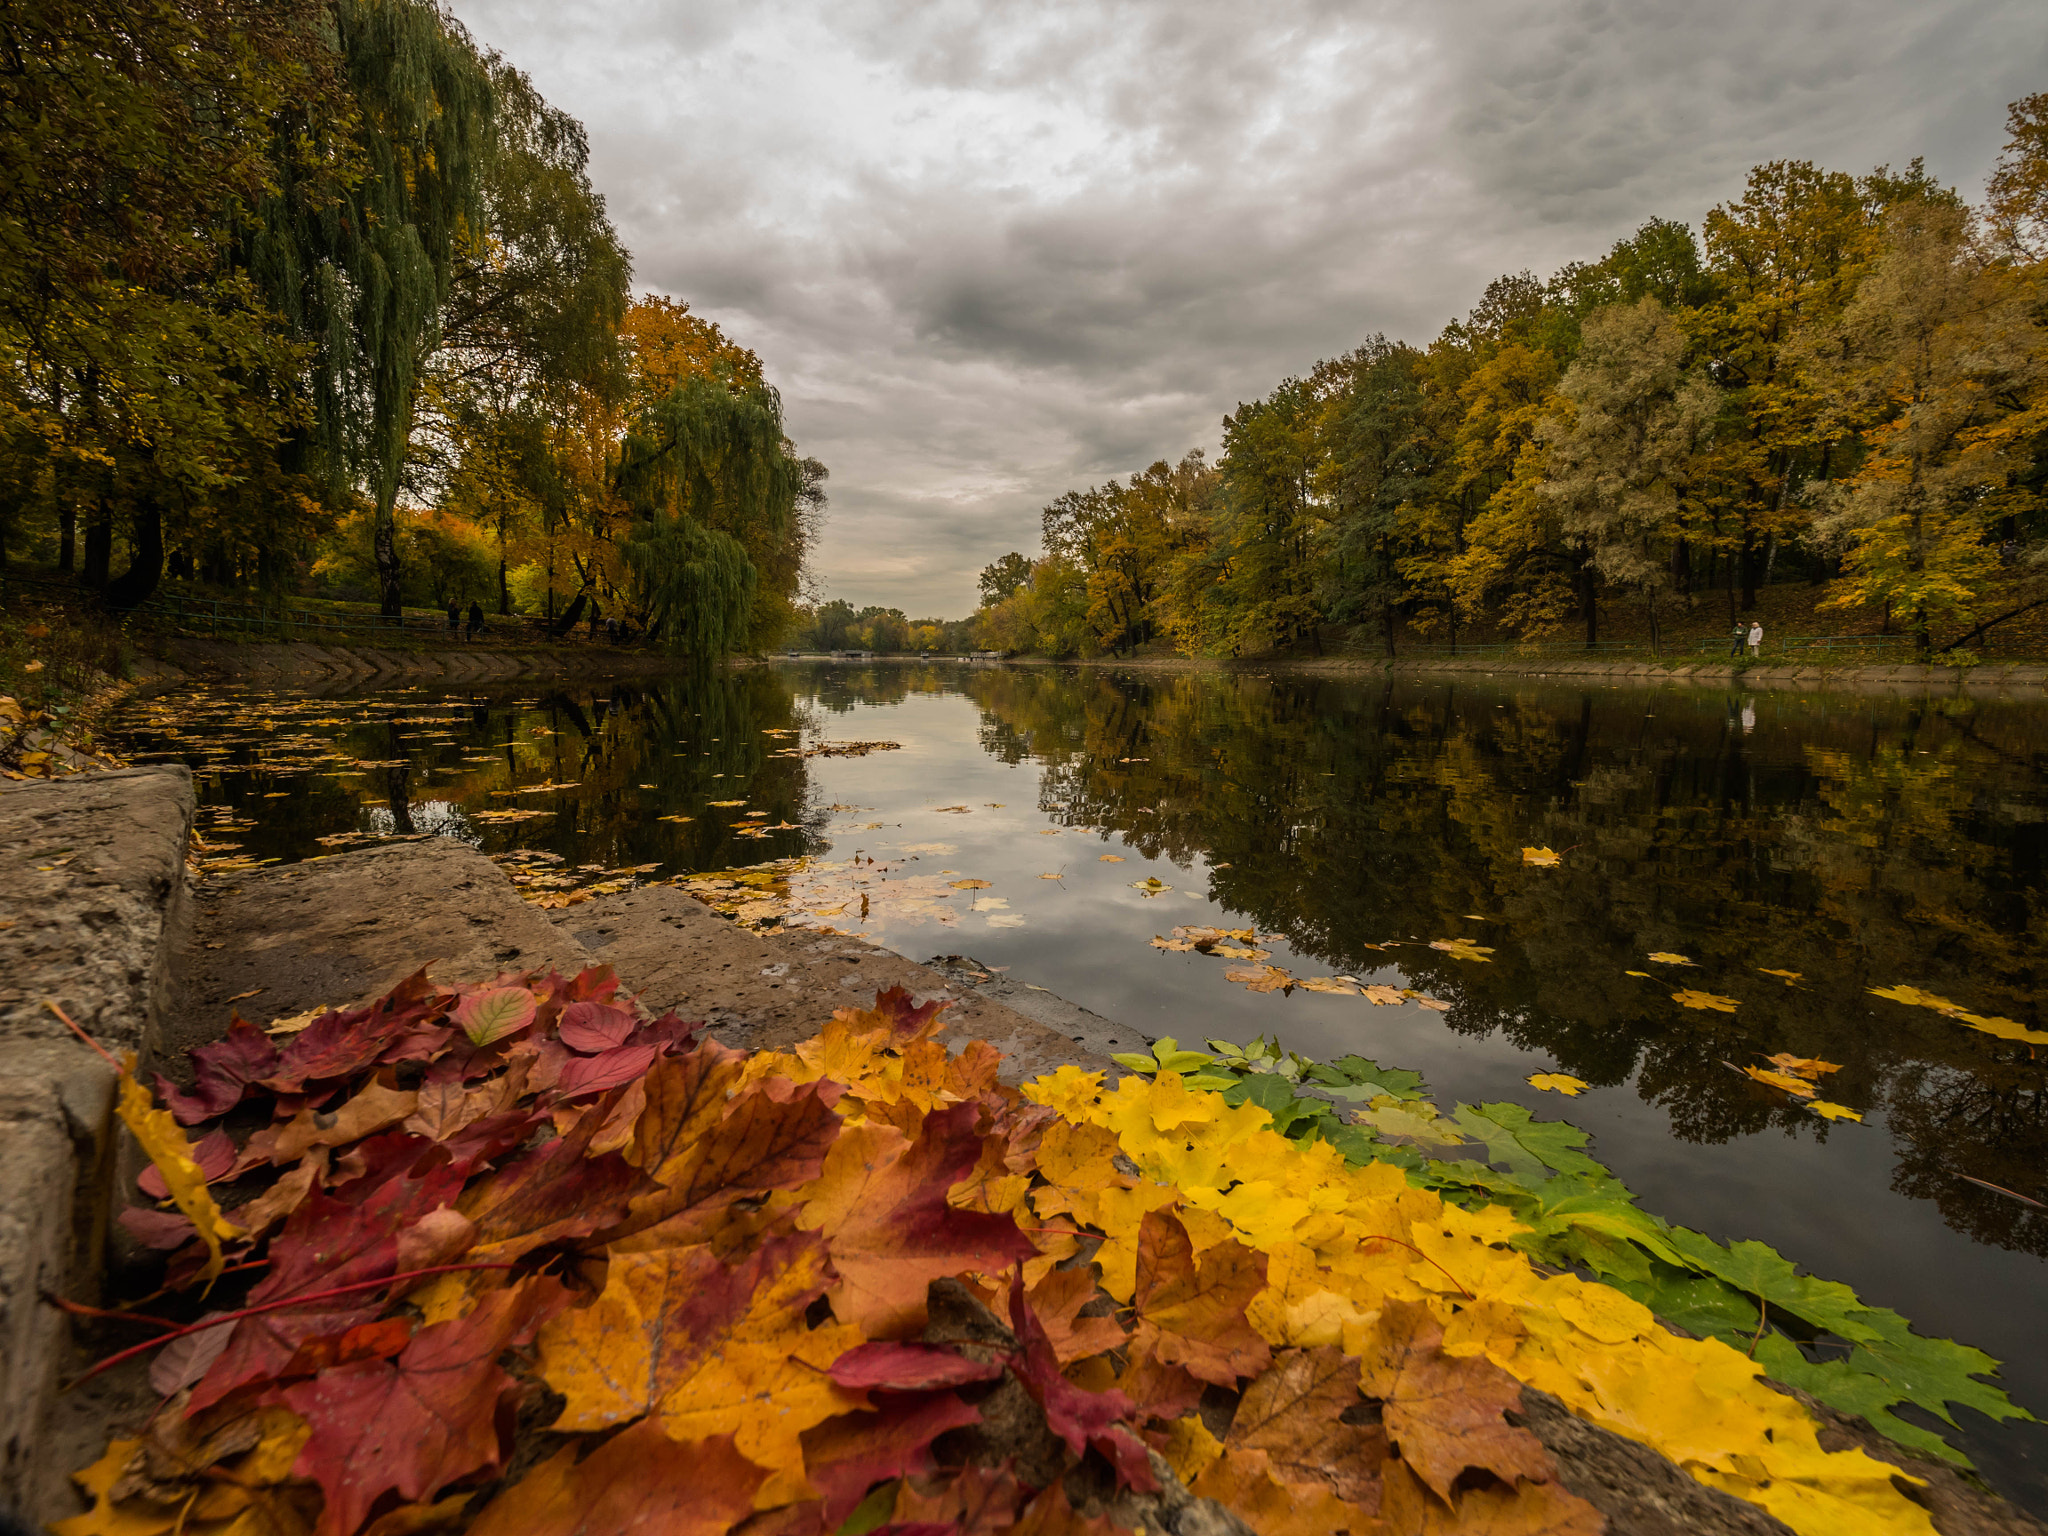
(1858, 843)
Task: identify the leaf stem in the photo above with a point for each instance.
(276, 1306)
(88, 1039)
(1376, 1238)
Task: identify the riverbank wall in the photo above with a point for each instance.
(2009, 680)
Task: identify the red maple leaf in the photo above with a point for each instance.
(846, 1456)
(417, 1424)
(395, 1027)
(1078, 1416)
(909, 1368)
(328, 1242)
(552, 1193)
(222, 1073)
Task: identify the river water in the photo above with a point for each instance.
(1860, 843)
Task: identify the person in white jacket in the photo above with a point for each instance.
(1756, 637)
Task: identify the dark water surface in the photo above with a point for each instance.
(1858, 842)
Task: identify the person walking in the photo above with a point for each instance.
(454, 618)
(476, 620)
(1735, 638)
(1756, 638)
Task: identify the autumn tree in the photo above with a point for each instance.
(1923, 371)
(141, 379)
(1620, 468)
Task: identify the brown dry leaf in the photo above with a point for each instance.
(374, 1109)
(1191, 1309)
(1444, 1414)
(1292, 1413)
(1331, 984)
(1383, 996)
(1179, 946)
(971, 885)
(1463, 949)
(1109, 858)
(1261, 978)
(639, 1483)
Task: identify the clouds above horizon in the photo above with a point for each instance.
(992, 251)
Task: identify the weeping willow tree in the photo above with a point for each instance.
(714, 488)
(363, 275)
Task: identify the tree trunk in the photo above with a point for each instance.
(1748, 565)
(1590, 599)
(67, 537)
(145, 560)
(386, 543)
(504, 591)
(99, 545)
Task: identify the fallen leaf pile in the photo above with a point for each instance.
(521, 1259)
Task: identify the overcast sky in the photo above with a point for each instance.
(992, 251)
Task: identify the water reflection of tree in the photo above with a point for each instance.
(1863, 845)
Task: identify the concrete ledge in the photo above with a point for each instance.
(339, 931)
(772, 990)
(93, 867)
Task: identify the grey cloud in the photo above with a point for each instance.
(993, 250)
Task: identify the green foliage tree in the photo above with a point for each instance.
(1000, 578)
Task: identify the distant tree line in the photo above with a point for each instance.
(1840, 379)
(839, 626)
(318, 292)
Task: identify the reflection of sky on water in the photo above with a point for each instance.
(434, 818)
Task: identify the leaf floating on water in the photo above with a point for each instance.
(1665, 957)
(725, 803)
(1542, 858)
(1784, 1080)
(1052, 877)
(1713, 1000)
(2004, 1029)
(1383, 996)
(1151, 885)
(1261, 978)
(1790, 978)
(1802, 1066)
(1055, 832)
(675, 818)
(1829, 1111)
(1462, 949)
(1109, 858)
(1332, 984)
(1558, 1082)
(970, 885)
(954, 810)
(1179, 946)
(1644, 974)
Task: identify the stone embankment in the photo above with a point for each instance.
(1992, 679)
(98, 915)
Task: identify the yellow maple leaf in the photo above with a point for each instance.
(1666, 957)
(1784, 1080)
(166, 1146)
(1542, 858)
(1712, 1000)
(1558, 1082)
(1829, 1111)
(1462, 949)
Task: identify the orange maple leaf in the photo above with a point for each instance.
(1445, 1414)
(639, 1481)
(1191, 1312)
